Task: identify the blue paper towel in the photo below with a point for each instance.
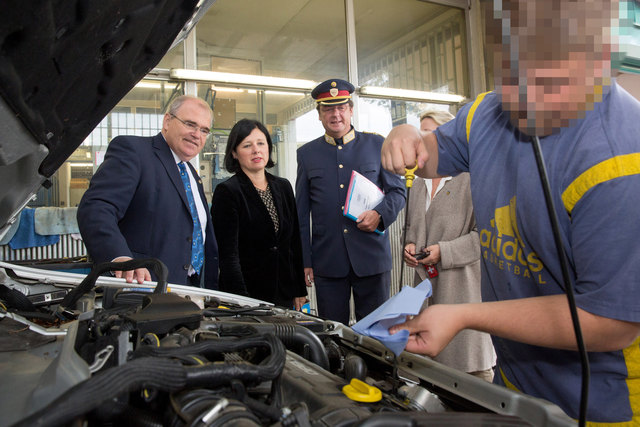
(394, 311)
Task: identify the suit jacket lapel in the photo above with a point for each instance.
(254, 199)
(163, 152)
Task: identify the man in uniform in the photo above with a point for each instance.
(340, 254)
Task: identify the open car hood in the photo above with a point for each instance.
(64, 65)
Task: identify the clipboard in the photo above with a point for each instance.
(362, 195)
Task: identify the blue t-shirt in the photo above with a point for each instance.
(594, 174)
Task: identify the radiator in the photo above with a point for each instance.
(67, 247)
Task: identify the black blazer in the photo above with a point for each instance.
(254, 260)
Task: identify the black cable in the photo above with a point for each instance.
(553, 217)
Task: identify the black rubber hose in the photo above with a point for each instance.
(209, 348)
(386, 420)
(89, 281)
(218, 374)
(120, 413)
(223, 373)
(163, 374)
(354, 367)
(293, 334)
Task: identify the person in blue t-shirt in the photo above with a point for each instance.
(553, 80)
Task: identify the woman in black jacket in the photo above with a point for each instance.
(256, 223)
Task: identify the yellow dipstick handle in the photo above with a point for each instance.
(409, 175)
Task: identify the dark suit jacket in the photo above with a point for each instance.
(136, 206)
(254, 260)
(331, 242)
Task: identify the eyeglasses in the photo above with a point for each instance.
(192, 126)
(330, 108)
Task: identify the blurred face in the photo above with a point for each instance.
(187, 130)
(336, 119)
(428, 124)
(253, 152)
(551, 59)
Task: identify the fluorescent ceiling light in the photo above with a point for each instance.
(155, 85)
(411, 95)
(276, 92)
(241, 79)
(84, 165)
(226, 89)
(279, 92)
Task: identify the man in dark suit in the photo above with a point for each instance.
(140, 204)
(339, 254)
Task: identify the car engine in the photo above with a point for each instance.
(93, 350)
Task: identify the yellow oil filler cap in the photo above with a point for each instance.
(360, 391)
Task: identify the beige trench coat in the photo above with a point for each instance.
(450, 222)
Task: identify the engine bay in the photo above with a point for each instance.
(110, 353)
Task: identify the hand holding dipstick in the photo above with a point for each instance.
(409, 176)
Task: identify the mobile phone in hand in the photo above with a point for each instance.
(421, 255)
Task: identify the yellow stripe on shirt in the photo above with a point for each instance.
(615, 167)
(632, 360)
(472, 111)
(506, 382)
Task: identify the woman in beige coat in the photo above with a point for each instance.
(441, 224)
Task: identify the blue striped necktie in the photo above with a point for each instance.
(197, 248)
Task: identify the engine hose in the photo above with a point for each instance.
(159, 373)
(273, 412)
(201, 407)
(163, 374)
(293, 334)
(136, 417)
(222, 373)
(89, 281)
(386, 419)
(119, 413)
(209, 348)
(354, 367)
(239, 418)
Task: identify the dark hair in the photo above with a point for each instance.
(239, 132)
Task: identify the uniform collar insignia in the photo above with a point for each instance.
(350, 136)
